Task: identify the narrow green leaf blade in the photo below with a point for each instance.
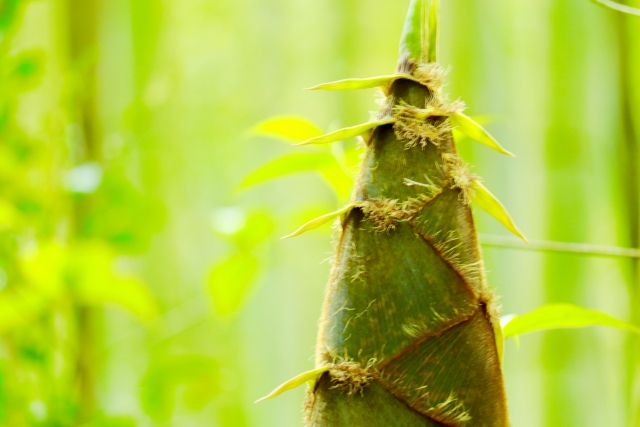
(320, 221)
(295, 382)
(486, 201)
(433, 31)
(555, 316)
(349, 132)
(413, 35)
(473, 130)
(287, 165)
(364, 83)
(288, 128)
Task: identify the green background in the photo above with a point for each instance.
(141, 286)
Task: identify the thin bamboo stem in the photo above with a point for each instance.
(551, 246)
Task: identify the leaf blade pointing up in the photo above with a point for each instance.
(362, 83)
(473, 130)
(486, 201)
(349, 132)
(555, 316)
(295, 382)
(413, 40)
(288, 128)
(315, 223)
(286, 165)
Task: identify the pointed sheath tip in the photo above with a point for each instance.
(411, 43)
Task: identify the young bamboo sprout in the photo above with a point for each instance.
(409, 328)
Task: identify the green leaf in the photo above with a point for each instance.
(258, 228)
(288, 128)
(414, 33)
(196, 376)
(287, 165)
(473, 130)
(486, 201)
(295, 382)
(128, 293)
(349, 132)
(91, 276)
(45, 268)
(555, 316)
(19, 308)
(229, 282)
(433, 31)
(320, 221)
(120, 214)
(482, 120)
(8, 12)
(365, 83)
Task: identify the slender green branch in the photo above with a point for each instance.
(550, 246)
(619, 7)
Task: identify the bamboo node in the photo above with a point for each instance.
(351, 377)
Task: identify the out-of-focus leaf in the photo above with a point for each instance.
(197, 373)
(128, 293)
(555, 316)
(120, 214)
(27, 69)
(315, 223)
(93, 280)
(46, 268)
(20, 307)
(87, 271)
(473, 130)
(350, 132)
(289, 128)
(259, 227)
(486, 201)
(229, 282)
(309, 376)
(338, 181)
(363, 83)
(8, 215)
(8, 12)
(110, 421)
(288, 164)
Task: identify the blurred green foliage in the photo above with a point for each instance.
(141, 279)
